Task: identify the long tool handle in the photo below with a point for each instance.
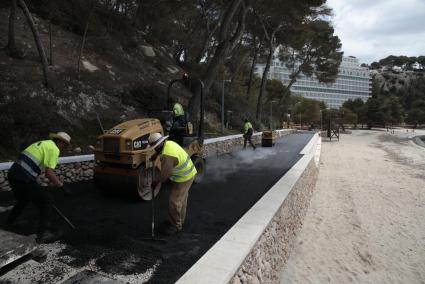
(152, 201)
(63, 217)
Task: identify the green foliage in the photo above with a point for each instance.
(313, 50)
(394, 107)
(308, 109)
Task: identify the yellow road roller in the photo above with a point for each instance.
(123, 156)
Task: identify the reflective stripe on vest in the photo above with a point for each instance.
(185, 170)
(27, 168)
(32, 158)
(29, 164)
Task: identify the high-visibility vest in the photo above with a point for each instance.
(37, 156)
(178, 110)
(185, 170)
(246, 127)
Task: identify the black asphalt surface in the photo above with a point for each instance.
(112, 228)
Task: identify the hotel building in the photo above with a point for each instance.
(353, 82)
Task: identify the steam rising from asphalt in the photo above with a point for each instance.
(220, 169)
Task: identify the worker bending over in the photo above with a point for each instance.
(247, 134)
(23, 175)
(177, 166)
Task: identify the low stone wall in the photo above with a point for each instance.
(223, 145)
(269, 255)
(73, 169)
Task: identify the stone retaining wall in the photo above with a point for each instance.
(83, 170)
(267, 258)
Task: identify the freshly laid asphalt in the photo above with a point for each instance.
(113, 228)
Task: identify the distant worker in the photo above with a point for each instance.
(23, 175)
(178, 111)
(247, 134)
(177, 166)
(179, 126)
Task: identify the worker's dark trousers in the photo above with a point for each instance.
(30, 192)
(247, 137)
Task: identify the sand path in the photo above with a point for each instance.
(366, 221)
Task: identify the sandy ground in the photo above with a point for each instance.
(366, 220)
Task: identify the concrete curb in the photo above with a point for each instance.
(247, 252)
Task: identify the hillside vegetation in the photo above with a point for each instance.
(62, 63)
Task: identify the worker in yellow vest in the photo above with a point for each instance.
(178, 111)
(248, 131)
(177, 166)
(178, 127)
(22, 176)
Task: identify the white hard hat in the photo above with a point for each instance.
(63, 136)
(155, 139)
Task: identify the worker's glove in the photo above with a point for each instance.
(154, 184)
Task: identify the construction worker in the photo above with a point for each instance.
(23, 175)
(177, 166)
(179, 126)
(247, 134)
(178, 111)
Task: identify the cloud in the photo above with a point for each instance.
(372, 30)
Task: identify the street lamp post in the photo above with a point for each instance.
(321, 120)
(222, 106)
(271, 114)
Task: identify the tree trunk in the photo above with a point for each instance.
(50, 43)
(293, 79)
(208, 36)
(83, 40)
(240, 63)
(11, 44)
(37, 40)
(251, 72)
(226, 41)
(264, 80)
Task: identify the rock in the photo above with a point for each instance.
(90, 67)
(88, 173)
(148, 50)
(236, 280)
(252, 280)
(6, 188)
(77, 150)
(68, 174)
(90, 148)
(172, 69)
(2, 180)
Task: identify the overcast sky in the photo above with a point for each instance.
(373, 29)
